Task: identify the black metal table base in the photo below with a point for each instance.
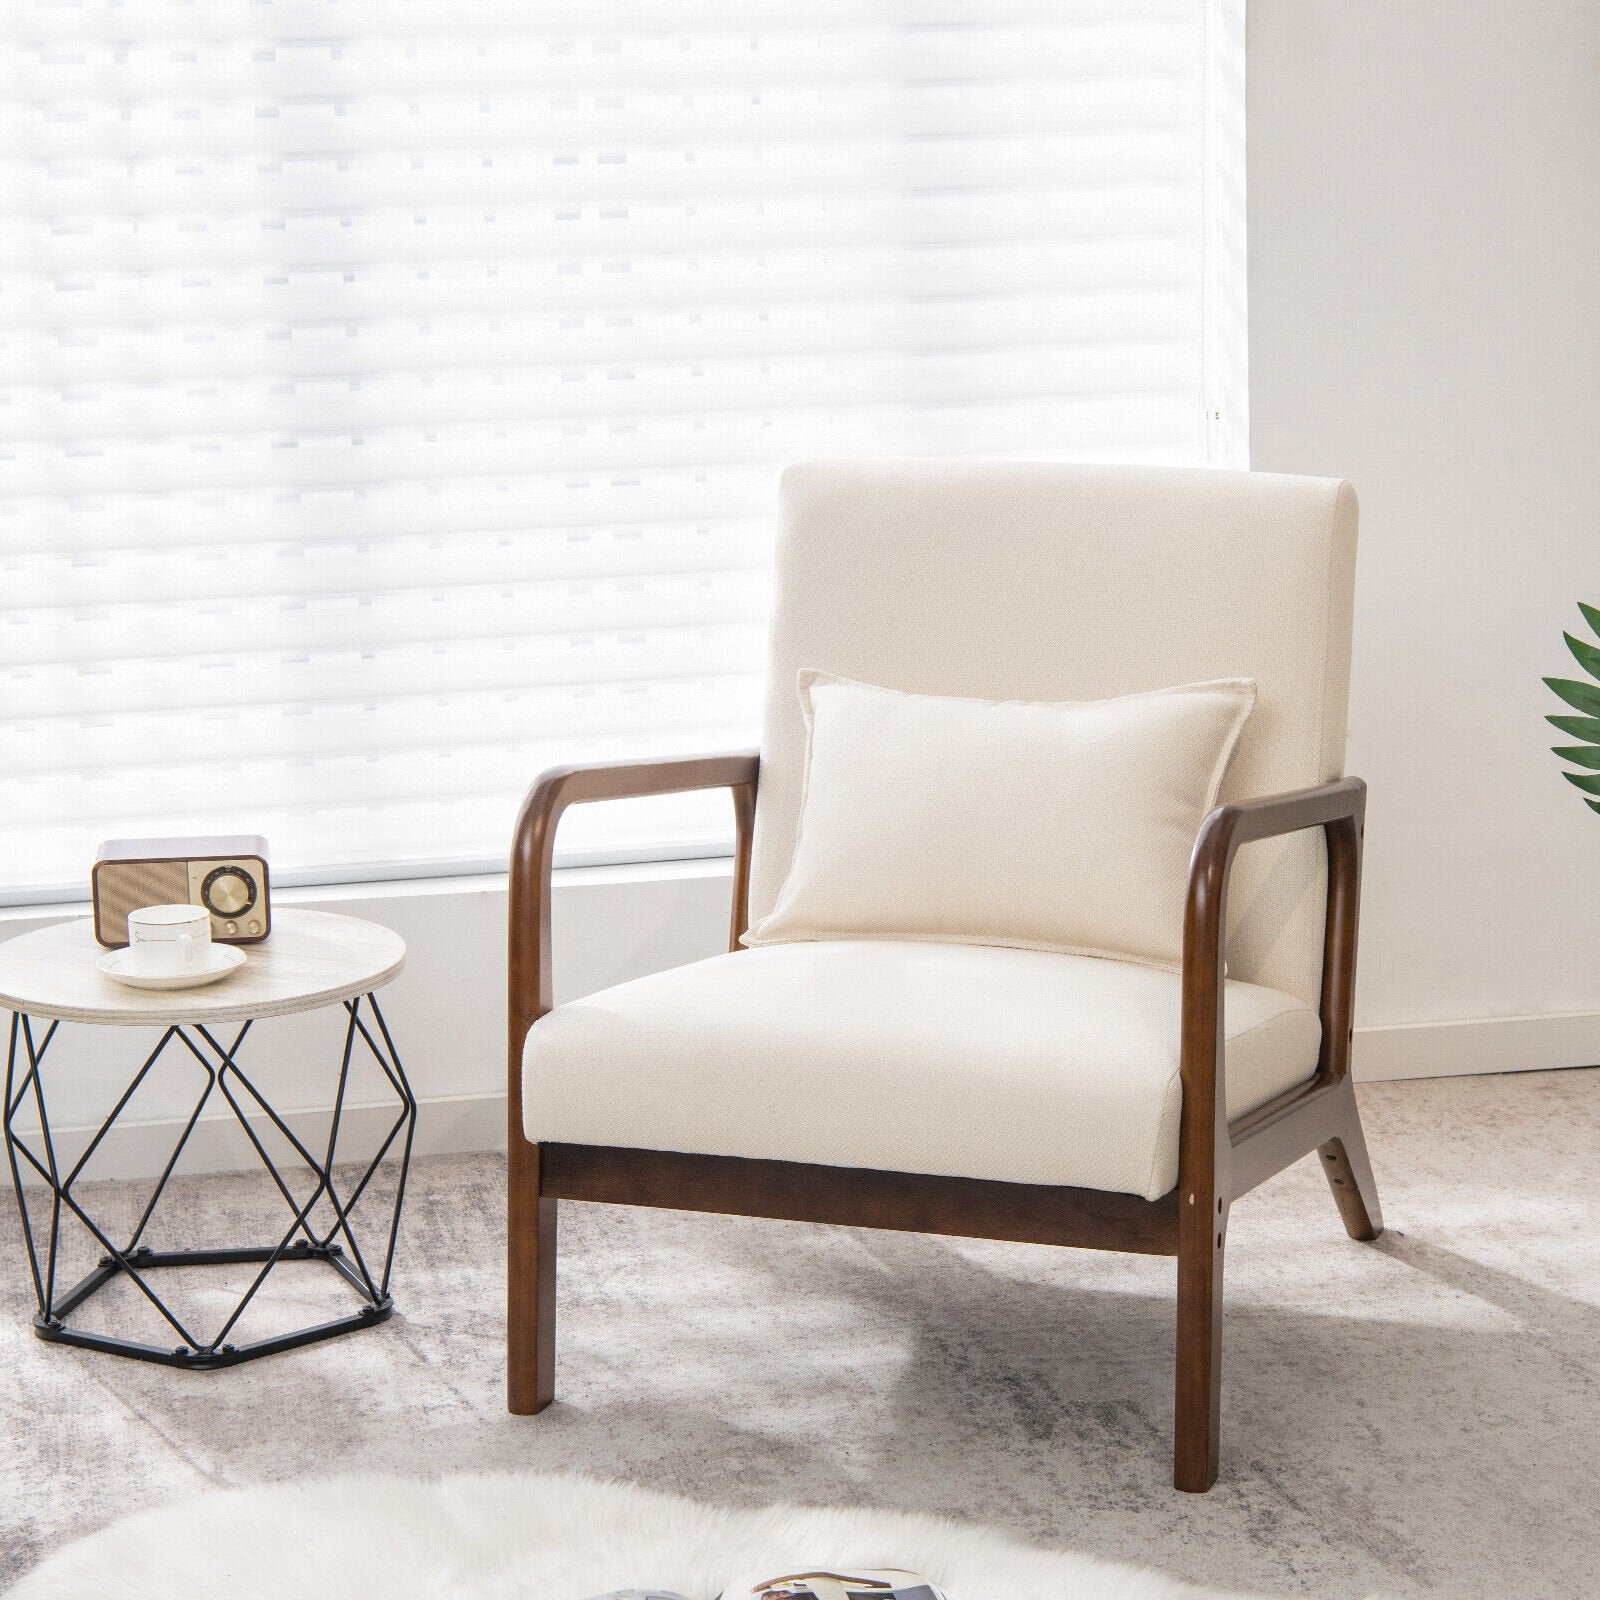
(222, 1355)
(301, 1241)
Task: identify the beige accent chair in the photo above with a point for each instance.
(972, 1090)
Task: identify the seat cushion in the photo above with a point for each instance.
(963, 1060)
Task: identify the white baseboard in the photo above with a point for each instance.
(455, 1124)
(1478, 1045)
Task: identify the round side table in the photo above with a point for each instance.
(312, 959)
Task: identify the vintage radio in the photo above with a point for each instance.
(226, 875)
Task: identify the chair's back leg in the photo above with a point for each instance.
(1197, 1413)
(1344, 1160)
(530, 1284)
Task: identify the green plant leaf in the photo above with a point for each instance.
(1580, 755)
(1582, 695)
(1586, 728)
(1585, 655)
(1584, 698)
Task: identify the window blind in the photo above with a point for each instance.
(392, 391)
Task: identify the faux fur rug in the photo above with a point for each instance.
(523, 1536)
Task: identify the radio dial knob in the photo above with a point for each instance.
(227, 892)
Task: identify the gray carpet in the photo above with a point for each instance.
(1416, 1417)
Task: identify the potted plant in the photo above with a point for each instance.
(1584, 698)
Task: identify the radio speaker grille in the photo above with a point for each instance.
(124, 886)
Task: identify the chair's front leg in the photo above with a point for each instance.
(1197, 1414)
(530, 1284)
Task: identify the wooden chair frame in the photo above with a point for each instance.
(1218, 1160)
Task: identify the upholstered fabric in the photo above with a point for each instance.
(965, 1060)
(1039, 582)
(1047, 825)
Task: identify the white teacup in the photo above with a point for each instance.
(169, 941)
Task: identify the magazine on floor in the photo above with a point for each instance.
(829, 1584)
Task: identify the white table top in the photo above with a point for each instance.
(310, 959)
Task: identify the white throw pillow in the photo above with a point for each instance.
(1056, 825)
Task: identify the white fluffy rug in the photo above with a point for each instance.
(522, 1536)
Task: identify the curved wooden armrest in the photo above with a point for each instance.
(1339, 809)
(533, 846)
(531, 1236)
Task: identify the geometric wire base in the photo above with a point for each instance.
(301, 1242)
(226, 1355)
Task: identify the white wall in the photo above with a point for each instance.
(1424, 189)
(1424, 201)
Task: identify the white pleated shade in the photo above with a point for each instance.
(392, 391)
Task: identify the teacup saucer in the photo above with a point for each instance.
(224, 958)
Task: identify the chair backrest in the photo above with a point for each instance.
(1048, 582)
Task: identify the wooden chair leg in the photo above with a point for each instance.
(1198, 1410)
(530, 1285)
(1344, 1160)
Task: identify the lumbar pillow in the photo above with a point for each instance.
(1058, 825)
